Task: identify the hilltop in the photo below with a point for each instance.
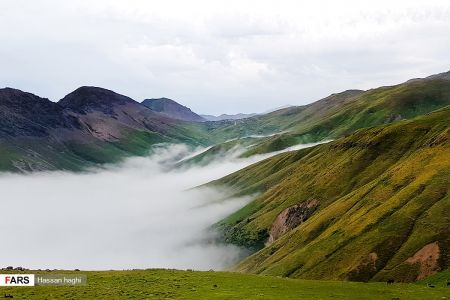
(172, 109)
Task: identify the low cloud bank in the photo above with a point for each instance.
(137, 214)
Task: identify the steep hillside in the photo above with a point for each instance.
(172, 109)
(372, 206)
(441, 279)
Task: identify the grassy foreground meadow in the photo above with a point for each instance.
(175, 284)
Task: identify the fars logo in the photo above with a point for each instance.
(16, 279)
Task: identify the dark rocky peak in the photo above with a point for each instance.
(172, 109)
(20, 101)
(24, 113)
(86, 99)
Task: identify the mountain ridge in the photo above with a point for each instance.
(172, 109)
(93, 125)
(89, 98)
(342, 113)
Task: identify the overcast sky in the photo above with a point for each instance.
(220, 56)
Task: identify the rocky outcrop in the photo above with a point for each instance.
(290, 218)
(87, 126)
(109, 116)
(426, 259)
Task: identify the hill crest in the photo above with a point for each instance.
(172, 109)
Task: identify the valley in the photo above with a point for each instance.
(351, 188)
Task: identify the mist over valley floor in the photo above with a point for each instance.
(140, 213)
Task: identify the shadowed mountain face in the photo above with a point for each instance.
(172, 109)
(25, 114)
(90, 125)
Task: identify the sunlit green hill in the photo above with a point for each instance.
(371, 206)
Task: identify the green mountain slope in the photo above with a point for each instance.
(341, 114)
(441, 279)
(371, 206)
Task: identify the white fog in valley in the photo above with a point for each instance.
(136, 214)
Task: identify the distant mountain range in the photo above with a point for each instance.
(223, 117)
(343, 113)
(173, 109)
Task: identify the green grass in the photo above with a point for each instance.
(440, 279)
(34, 154)
(383, 193)
(172, 284)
